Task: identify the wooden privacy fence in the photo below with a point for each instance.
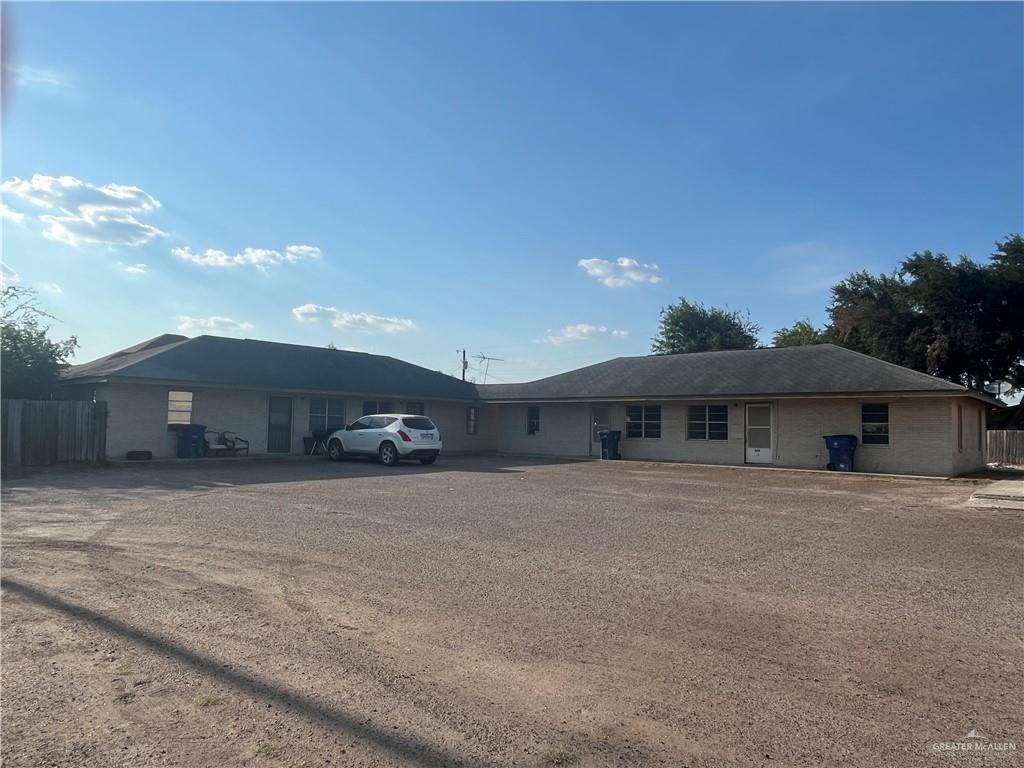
(39, 432)
(1005, 446)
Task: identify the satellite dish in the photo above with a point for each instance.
(998, 387)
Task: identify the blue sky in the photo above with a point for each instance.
(441, 171)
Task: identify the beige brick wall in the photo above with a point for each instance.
(138, 417)
(921, 438)
(564, 430)
(922, 434)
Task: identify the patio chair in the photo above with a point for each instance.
(213, 444)
(234, 443)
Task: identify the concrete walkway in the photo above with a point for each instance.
(1003, 494)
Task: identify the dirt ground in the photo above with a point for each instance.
(499, 612)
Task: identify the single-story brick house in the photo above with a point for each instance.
(763, 406)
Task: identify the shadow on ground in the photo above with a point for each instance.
(407, 747)
(204, 473)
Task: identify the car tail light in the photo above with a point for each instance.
(404, 436)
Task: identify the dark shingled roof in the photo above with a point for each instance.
(819, 369)
(822, 369)
(218, 361)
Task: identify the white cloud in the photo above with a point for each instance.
(621, 272)
(353, 321)
(51, 288)
(295, 252)
(8, 276)
(131, 269)
(38, 77)
(257, 257)
(10, 215)
(85, 212)
(580, 332)
(221, 326)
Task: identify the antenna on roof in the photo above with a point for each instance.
(487, 362)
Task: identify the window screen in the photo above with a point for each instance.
(874, 423)
(471, 420)
(415, 408)
(371, 407)
(643, 421)
(707, 422)
(179, 407)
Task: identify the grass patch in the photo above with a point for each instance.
(122, 667)
(207, 701)
(266, 749)
(560, 757)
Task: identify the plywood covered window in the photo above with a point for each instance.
(179, 407)
(874, 423)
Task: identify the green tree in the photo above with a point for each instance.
(692, 327)
(31, 361)
(960, 320)
(801, 333)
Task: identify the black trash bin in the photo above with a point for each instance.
(191, 439)
(840, 452)
(610, 443)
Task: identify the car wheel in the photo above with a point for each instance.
(388, 454)
(335, 451)
(428, 460)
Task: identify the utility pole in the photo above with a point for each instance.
(465, 365)
(487, 361)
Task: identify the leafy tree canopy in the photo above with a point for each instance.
(802, 332)
(960, 320)
(692, 327)
(31, 361)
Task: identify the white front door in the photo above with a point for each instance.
(759, 433)
(599, 420)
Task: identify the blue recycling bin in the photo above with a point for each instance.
(840, 452)
(610, 443)
(191, 439)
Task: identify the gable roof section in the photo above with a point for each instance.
(219, 361)
(822, 369)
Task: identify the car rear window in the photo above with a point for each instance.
(418, 422)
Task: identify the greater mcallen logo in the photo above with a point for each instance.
(974, 742)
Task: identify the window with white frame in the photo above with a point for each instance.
(643, 421)
(326, 414)
(707, 422)
(874, 423)
(179, 407)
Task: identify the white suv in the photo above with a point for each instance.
(390, 437)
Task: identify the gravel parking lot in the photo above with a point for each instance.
(496, 612)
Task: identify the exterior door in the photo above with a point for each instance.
(599, 420)
(759, 433)
(279, 430)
